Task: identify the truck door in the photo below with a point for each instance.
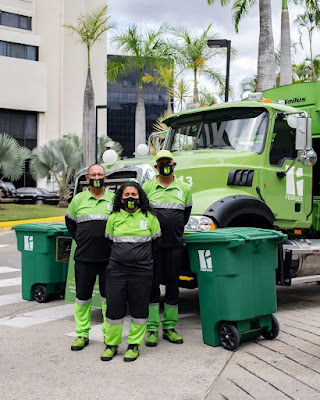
(288, 195)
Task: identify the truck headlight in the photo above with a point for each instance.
(199, 223)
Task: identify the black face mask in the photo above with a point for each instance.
(130, 203)
(165, 170)
(96, 183)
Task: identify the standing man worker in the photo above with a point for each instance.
(86, 220)
(172, 201)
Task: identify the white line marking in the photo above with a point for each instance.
(39, 316)
(4, 270)
(10, 282)
(23, 322)
(11, 299)
(4, 245)
(53, 313)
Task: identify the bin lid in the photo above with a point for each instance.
(44, 227)
(233, 234)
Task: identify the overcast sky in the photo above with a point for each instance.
(197, 15)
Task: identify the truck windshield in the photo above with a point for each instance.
(232, 128)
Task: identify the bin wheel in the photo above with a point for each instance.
(229, 336)
(39, 202)
(275, 328)
(40, 293)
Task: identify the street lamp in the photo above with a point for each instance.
(96, 133)
(217, 44)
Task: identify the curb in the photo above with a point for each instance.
(6, 226)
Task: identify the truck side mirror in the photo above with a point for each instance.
(308, 158)
(303, 133)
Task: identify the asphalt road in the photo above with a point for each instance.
(36, 361)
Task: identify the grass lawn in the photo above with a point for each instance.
(16, 212)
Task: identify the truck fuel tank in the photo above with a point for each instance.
(304, 258)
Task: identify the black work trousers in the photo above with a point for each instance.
(85, 277)
(124, 288)
(167, 264)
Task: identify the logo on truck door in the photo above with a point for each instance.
(205, 260)
(294, 184)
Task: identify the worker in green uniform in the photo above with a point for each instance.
(133, 228)
(86, 220)
(172, 202)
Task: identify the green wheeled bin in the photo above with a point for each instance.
(236, 275)
(42, 272)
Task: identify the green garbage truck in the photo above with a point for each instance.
(249, 164)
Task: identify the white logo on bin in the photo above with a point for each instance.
(205, 260)
(28, 243)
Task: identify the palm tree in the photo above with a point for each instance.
(89, 29)
(59, 159)
(143, 51)
(301, 72)
(193, 53)
(285, 52)
(266, 67)
(310, 21)
(163, 77)
(182, 91)
(248, 84)
(106, 143)
(12, 158)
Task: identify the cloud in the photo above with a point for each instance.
(196, 15)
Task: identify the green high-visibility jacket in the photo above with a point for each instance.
(132, 235)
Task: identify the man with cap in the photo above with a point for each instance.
(86, 220)
(172, 201)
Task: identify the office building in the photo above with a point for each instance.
(121, 105)
(43, 70)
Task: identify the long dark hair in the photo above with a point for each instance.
(143, 199)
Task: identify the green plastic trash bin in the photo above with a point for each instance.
(41, 273)
(235, 269)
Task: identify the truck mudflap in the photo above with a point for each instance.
(301, 260)
(240, 210)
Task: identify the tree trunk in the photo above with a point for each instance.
(285, 48)
(140, 121)
(89, 124)
(169, 109)
(266, 62)
(311, 57)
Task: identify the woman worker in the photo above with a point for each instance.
(132, 227)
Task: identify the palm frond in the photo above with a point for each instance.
(119, 66)
(12, 157)
(241, 8)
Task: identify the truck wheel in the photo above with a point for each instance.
(40, 293)
(229, 336)
(275, 328)
(39, 202)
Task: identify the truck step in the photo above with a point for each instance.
(305, 279)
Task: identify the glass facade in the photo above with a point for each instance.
(122, 101)
(22, 125)
(18, 50)
(15, 20)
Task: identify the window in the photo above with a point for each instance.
(18, 50)
(15, 20)
(283, 142)
(230, 129)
